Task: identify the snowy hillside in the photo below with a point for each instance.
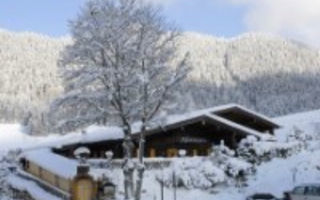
(29, 80)
(276, 176)
(264, 72)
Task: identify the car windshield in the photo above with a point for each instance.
(313, 191)
(263, 196)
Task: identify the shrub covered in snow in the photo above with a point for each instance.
(192, 173)
(255, 152)
(225, 166)
(220, 167)
(235, 168)
(297, 135)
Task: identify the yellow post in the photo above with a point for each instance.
(83, 186)
(152, 153)
(195, 152)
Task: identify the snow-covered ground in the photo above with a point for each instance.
(276, 176)
(11, 136)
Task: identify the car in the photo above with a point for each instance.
(305, 192)
(262, 196)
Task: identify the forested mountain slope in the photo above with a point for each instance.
(264, 72)
(267, 73)
(29, 75)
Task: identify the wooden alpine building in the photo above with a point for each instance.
(194, 132)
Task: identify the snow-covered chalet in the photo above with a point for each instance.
(194, 132)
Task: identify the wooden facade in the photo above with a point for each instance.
(81, 187)
(37, 171)
(196, 138)
(194, 134)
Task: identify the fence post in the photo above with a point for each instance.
(174, 186)
(162, 190)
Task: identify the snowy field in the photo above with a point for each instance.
(276, 176)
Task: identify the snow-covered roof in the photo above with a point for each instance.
(100, 133)
(218, 109)
(57, 164)
(235, 125)
(211, 113)
(90, 135)
(172, 119)
(248, 111)
(52, 162)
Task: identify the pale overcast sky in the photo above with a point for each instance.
(297, 19)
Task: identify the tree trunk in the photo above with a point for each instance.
(139, 183)
(141, 167)
(128, 166)
(126, 184)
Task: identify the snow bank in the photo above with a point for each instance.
(299, 118)
(281, 175)
(12, 136)
(309, 122)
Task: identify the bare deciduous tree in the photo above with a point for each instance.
(119, 67)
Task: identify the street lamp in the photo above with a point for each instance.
(109, 155)
(81, 154)
(182, 153)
